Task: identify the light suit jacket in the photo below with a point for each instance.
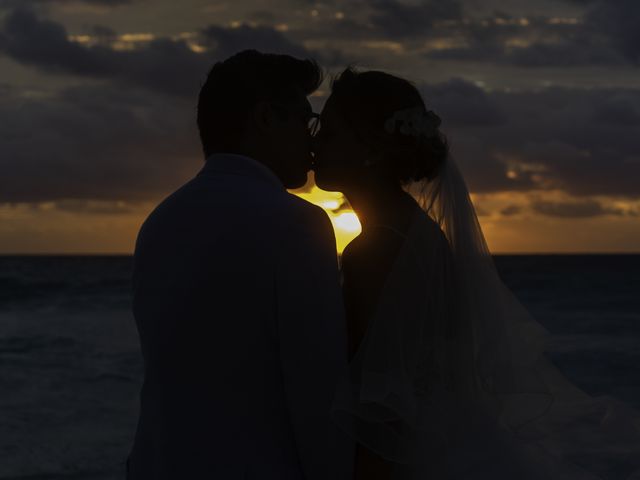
(242, 330)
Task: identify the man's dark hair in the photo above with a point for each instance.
(235, 85)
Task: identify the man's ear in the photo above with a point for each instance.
(262, 115)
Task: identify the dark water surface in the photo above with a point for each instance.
(70, 367)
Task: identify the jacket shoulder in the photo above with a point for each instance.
(303, 215)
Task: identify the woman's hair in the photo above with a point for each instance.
(366, 100)
(235, 85)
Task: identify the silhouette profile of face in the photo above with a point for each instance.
(340, 154)
(286, 125)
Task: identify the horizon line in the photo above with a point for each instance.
(122, 254)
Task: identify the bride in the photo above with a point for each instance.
(448, 377)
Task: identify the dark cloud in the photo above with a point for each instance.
(224, 42)
(105, 3)
(618, 20)
(576, 140)
(262, 16)
(537, 42)
(162, 64)
(131, 136)
(227, 41)
(574, 209)
(487, 38)
(608, 34)
(617, 111)
(564, 54)
(484, 167)
(400, 20)
(354, 21)
(103, 34)
(614, 23)
(511, 210)
(553, 133)
(112, 144)
(103, 144)
(462, 104)
(93, 207)
(29, 40)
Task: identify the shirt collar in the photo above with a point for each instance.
(236, 164)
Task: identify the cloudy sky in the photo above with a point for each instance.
(540, 100)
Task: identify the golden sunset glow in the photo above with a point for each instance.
(100, 129)
(344, 220)
(510, 225)
(348, 222)
(509, 222)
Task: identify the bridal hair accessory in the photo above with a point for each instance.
(413, 121)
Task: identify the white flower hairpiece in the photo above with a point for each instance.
(413, 121)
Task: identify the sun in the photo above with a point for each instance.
(347, 222)
(344, 220)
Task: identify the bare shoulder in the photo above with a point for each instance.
(366, 264)
(373, 251)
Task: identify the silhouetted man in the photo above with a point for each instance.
(236, 295)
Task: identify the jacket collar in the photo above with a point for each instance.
(235, 164)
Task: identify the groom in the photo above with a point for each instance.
(236, 295)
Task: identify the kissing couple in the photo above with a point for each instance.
(265, 360)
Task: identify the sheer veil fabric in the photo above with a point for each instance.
(451, 380)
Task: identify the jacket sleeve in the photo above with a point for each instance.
(312, 342)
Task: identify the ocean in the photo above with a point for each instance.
(71, 370)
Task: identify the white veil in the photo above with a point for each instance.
(451, 380)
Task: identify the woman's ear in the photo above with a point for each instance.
(374, 156)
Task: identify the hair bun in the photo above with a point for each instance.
(421, 161)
